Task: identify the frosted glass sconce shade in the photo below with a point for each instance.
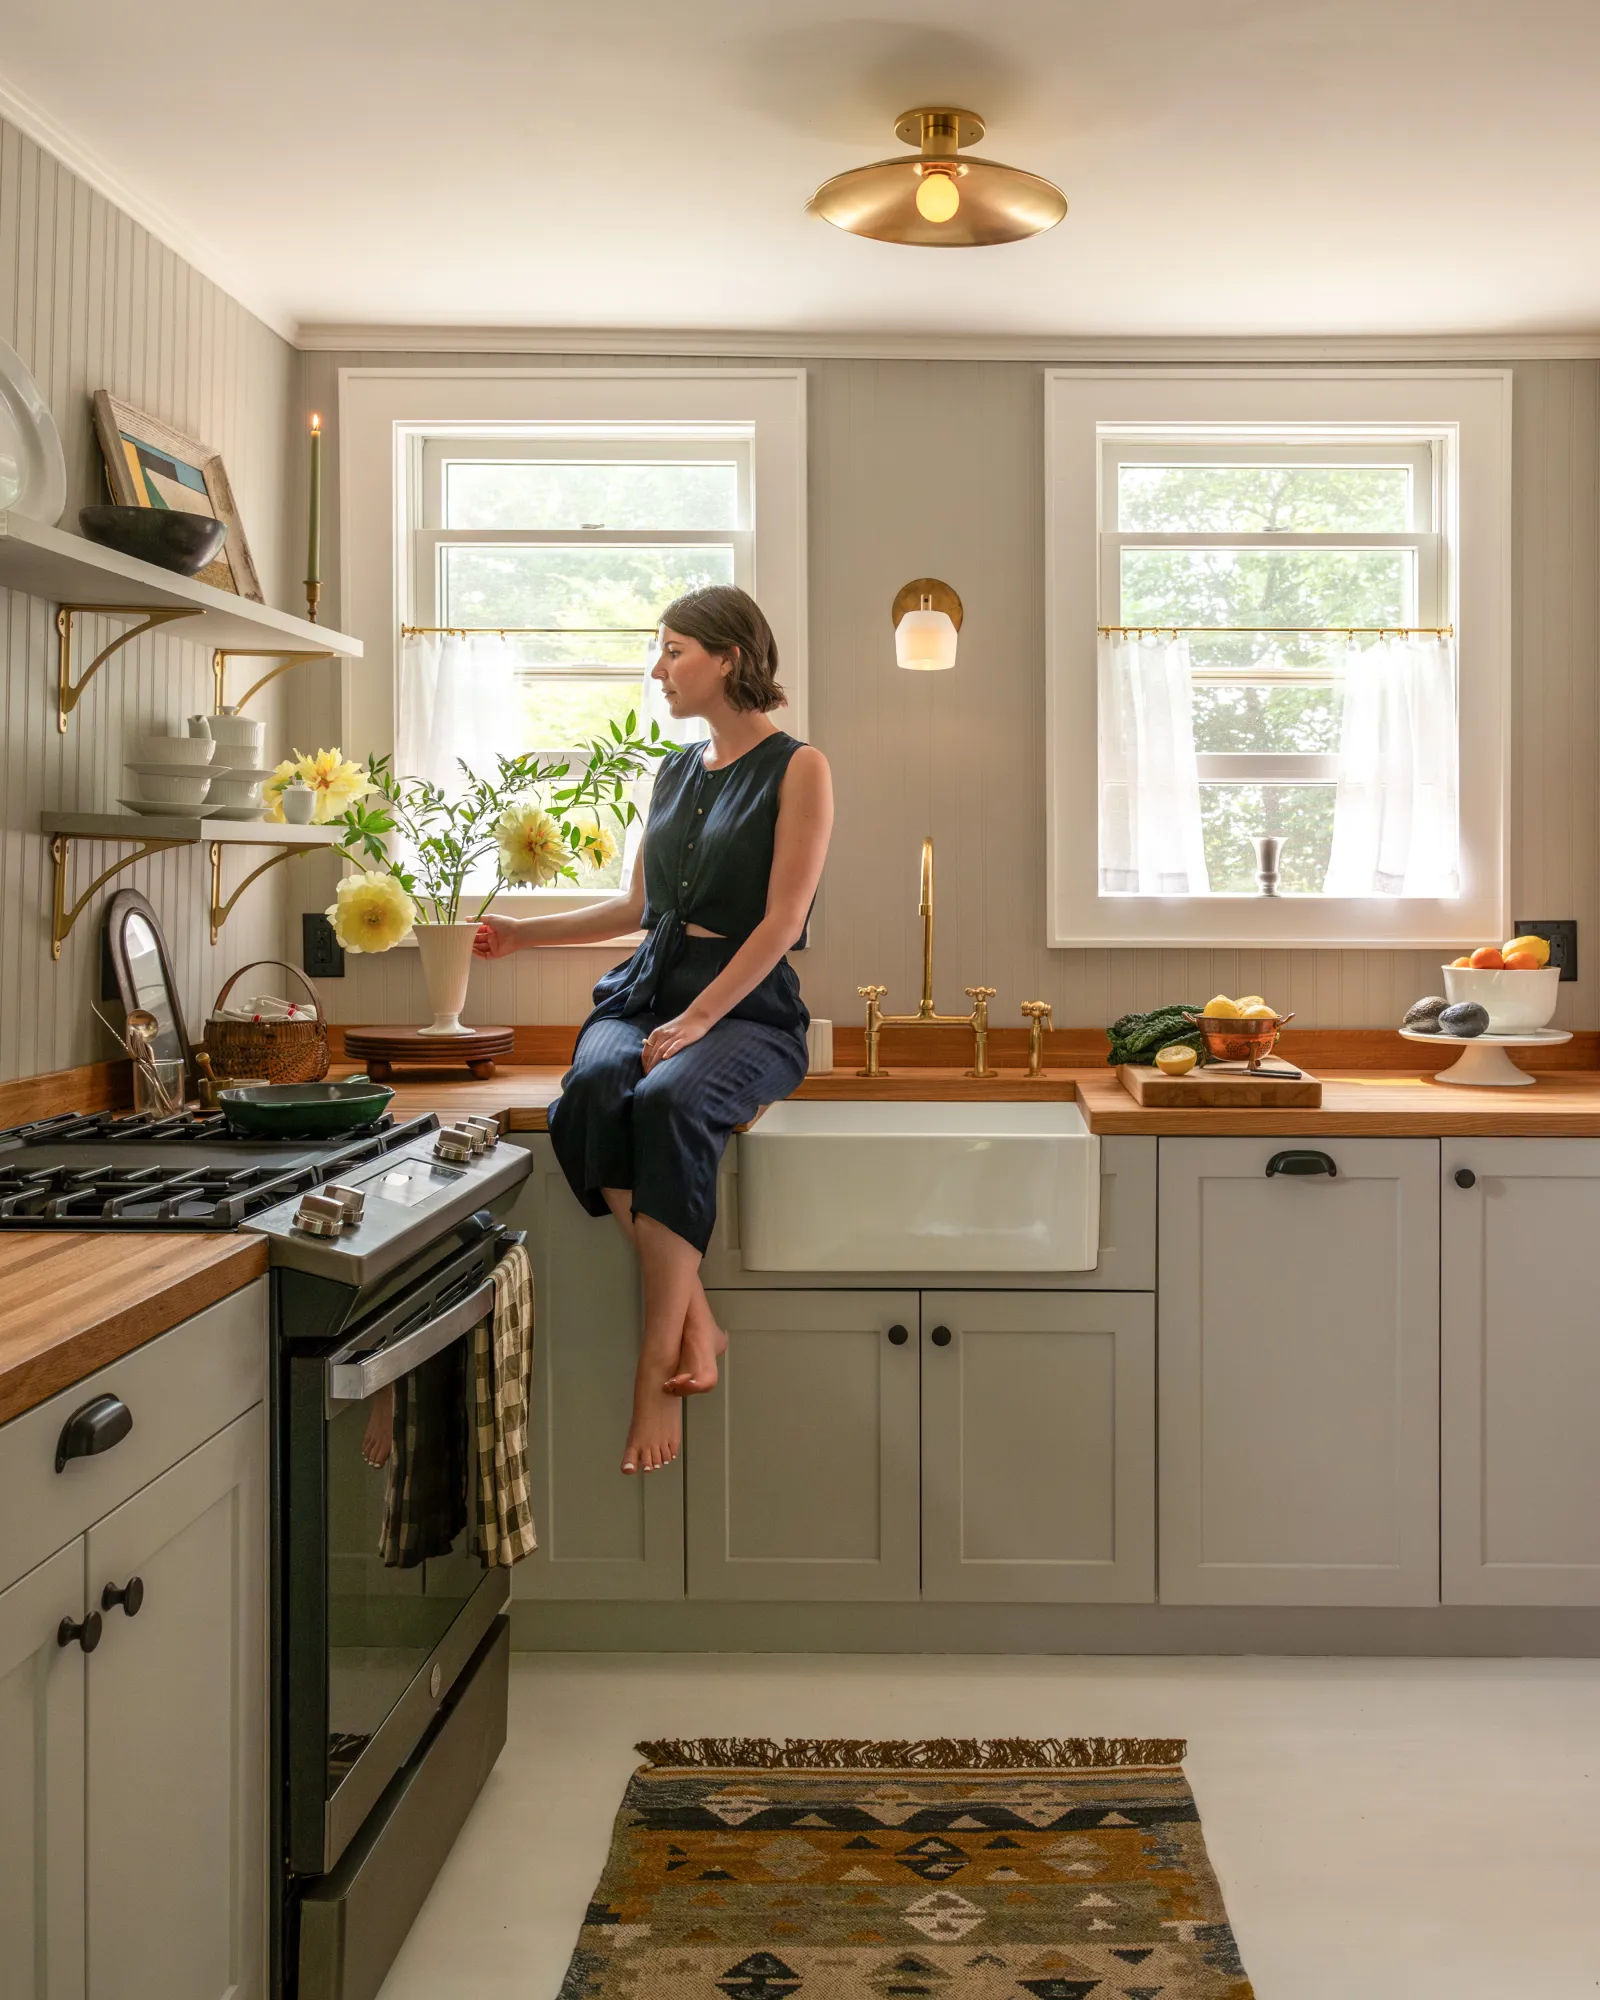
(927, 617)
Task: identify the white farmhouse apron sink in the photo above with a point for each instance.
(919, 1187)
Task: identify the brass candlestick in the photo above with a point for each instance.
(313, 598)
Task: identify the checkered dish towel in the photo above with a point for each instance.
(502, 1368)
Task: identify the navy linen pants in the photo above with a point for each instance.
(663, 1135)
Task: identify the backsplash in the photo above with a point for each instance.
(92, 301)
(959, 755)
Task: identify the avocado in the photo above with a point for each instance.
(1466, 1018)
(1424, 1014)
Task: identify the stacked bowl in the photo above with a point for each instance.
(235, 791)
(174, 774)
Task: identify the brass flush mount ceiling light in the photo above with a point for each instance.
(939, 199)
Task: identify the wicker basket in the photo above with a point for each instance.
(281, 1051)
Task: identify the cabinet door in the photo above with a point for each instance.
(1521, 1373)
(600, 1535)
(177, 1733)
(1299, 1373)
(41, 1783)
(1038, 1447)
(802, 1462)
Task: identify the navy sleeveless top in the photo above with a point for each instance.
(707, 860)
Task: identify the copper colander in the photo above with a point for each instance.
(1233, 1041)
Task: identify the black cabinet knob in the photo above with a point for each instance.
(86, 1632)
(941, 1336)
(129, 1595)
(1465, 1177)
(102, 1422)
(898, 1336)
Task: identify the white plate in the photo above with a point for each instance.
(235, 812)
(33, 469)
(241, 772)
(196, 771)
(163, 809)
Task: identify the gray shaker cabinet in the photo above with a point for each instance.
(1520, 1231)
(1038, 1447)
(601, 1535)
(1299, 1373)
(802, 1462)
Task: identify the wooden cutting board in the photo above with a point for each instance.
(1219, 1089)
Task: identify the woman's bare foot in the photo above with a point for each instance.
(656, 1431)
(704, 1344)
(378, 1441)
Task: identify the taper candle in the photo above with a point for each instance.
(314, 543)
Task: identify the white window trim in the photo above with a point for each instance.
(1469, 409)
(385, 412)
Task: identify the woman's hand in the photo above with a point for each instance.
(496, 937)
(672, 1037)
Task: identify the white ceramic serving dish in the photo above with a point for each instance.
(239, 732)
(1517, 1001)
(238, 788)
(33, 468)
(878, 1187)
(181, 788)
(191, 751)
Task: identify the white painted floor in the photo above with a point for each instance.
(1382, 1829)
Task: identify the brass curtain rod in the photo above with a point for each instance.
(1289, 631)
(511, 631)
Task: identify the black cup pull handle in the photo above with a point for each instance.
(129, 1595)
(941, 1336)
(85, 1631)
(1465, 1177)
(1305, 1161)
(102, 1422)
(899, 1335)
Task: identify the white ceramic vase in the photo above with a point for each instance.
(446, 961)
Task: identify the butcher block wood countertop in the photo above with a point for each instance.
(73, 1300)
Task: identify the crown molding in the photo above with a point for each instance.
(31, 119)
(1062, 348)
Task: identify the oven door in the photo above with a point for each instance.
(387, 1597)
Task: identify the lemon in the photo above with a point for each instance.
(1260, 1012)
(1176, 1059)
(1539, 946)
(1250, 1000)
(1221, 1007)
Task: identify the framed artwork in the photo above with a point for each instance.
(149, 464)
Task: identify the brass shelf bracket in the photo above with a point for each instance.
(220, 910)
(62, 919)
(223, 654)
(68, 691)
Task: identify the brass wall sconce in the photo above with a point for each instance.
(927, 617)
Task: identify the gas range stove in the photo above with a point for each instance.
(352, 1207)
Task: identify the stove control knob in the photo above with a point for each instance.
(352, 1200)
(489, 1127)
(453, 1143)
(319, 1215)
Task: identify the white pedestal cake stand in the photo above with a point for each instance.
(1484, 1059)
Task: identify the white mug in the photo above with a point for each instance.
(819, 1047)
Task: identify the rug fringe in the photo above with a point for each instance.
(943, 1753)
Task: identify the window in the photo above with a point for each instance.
(1276, 613)
(555, 512)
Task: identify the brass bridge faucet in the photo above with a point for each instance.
(980, 996)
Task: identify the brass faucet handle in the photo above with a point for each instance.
(1036, 1010)
(872, 992)
(980, 992)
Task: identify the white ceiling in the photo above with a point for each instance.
(1233, 166)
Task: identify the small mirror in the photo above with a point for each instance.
(138, 954)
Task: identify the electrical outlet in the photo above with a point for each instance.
(320, 951)
(1561, 933)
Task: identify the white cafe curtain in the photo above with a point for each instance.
(455, 702)
(1150, 838)
(1396, 828)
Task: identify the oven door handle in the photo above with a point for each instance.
(351, 1380)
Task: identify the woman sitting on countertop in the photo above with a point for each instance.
(704, 1024)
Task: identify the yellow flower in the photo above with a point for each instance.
(531, 847)
(336, 781)
(372, 912)
(596, 844)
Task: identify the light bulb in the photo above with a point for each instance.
(938, 197)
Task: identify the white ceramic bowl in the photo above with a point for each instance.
(190, 750)
(234, 790)
(1517, 1001)
(239, 732)
(180, 790)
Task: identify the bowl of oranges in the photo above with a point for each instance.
(1514, 981)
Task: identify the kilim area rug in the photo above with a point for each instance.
(1004, 1870)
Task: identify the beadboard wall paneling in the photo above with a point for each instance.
(92, 301)
(936, 468)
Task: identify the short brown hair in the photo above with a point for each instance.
(729, 622)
